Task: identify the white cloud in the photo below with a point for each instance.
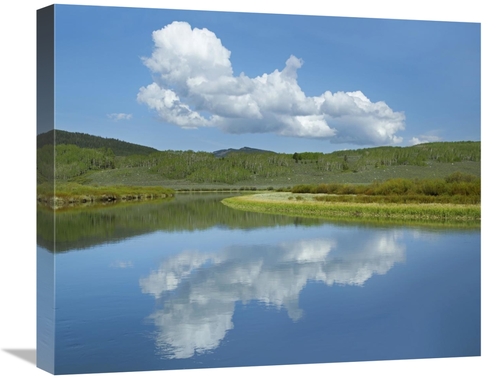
(119, 116)
(424, 139)
(169, 106)
(194, 86)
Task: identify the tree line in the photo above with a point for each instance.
(203, 167)
(84, 140)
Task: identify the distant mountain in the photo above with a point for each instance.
(248, 150)
(84, 140)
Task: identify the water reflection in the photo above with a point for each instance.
(84, 227)
(196, 291)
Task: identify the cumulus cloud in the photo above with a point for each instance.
(424, 139)
(194, 86)
(197, 291)
(119, 116)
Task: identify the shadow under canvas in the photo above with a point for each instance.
(28, 355)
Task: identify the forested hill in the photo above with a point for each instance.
(83, 140)
(249, 150)
(126, 164)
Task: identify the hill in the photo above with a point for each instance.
(84, 140)
(87, 159)
(248, 150)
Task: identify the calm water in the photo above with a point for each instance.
(190, 283)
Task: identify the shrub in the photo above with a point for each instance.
(433, 187)
(303, 188)
(347, 189)
(458, 177)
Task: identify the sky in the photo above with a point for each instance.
(207, 80)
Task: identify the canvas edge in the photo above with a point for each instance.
(45, 282)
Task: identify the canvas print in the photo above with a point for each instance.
(219, 189)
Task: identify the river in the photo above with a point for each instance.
(190, 283)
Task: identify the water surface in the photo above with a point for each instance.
(190, 283)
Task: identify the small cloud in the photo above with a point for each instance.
(424, 139)
(119, 116)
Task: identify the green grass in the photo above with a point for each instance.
(300, 174)
(457, 188)
(398, 199)
(305, 205)
(71, 193)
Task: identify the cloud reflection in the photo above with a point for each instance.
(197, 291)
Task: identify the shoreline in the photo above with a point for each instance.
(76, 194)
(286, 203)
(57, 202)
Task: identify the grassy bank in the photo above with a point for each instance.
(73, 193)
(307, 205)
(454, 188)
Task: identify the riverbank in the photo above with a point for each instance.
(72, 194)
(307, 205)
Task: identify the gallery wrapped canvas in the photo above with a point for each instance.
(222, 189)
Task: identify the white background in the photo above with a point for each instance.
(18, 186)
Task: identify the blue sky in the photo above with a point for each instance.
(211, 80)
